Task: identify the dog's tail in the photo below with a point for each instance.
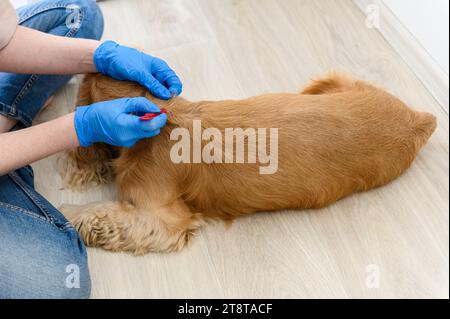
(425, 124)
(332, 82)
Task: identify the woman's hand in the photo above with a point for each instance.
(117, 122)
(109, 122)
(123, 63)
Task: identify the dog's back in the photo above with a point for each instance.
(338, 137)
(344, 138)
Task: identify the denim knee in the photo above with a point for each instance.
(76, 276)
(39, 259)
(92, 23)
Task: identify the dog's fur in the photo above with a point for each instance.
(337, 137)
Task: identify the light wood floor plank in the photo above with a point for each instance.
(238, 48)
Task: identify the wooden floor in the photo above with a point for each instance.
(238, 48)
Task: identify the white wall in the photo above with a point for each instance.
(428, 22)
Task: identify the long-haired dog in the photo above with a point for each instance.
(337, 137)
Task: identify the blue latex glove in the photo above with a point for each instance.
(111, 122)
(123, 63)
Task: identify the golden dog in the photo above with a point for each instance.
(337, 137)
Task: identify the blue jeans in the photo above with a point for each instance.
(41, 254)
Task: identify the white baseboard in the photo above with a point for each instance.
(412, 52)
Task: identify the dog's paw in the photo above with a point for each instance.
(182, 239)
(93, 224)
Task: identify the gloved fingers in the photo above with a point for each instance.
(140, 105)
(175, 88)
(133, 130)
(155, 87)
(173, 83)
(153, 125)
(133, 124)
(170, 80)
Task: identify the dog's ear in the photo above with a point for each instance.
(84, 93)
(333, 82)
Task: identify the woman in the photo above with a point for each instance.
(41, 254)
